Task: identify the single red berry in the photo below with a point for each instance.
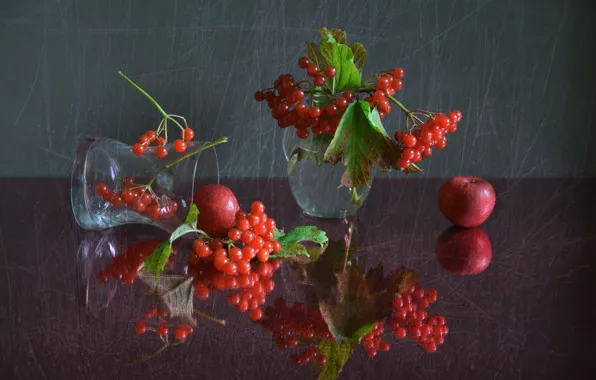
(423, 303)
(321, 359)
(440, 320)
(384, 346)
(427, 152)
(383, 83)
(312, 70)
(348, 95)
(409, 140)
(140, 327)
(161, 152)
(379, 96)
(418, 293)
(455, 116)
(400, 333)
(230, 268)
(102, 189)
(319, 81)
(430, 346)
(442, 143)
(398, 73)
(234, 234)
(330, 71)
(138, 149)
(415, 332)
(302, 133)
(442, 121)
(341, 103)
(314, 112)
(150, 134)
(432, 295)
(297, 95)
(242, 224)
(396, 85)
(235, 254)
(189, 134)
(161, 330)
(259, 96)
(303, 62)
(276, 246)
(179, 146)
(263, 255)
(257, 242)
(398, 302)
(116, 200)
(254, 219)
(243, 266)
(426, 330)
(403, 163)
(201, 291)
(256, 314)
(257, 207)
(180, 333)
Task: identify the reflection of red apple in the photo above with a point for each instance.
(466, 201)
(464, 250)
(217, 209)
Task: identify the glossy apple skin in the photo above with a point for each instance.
(217, 209)
(464, 250)
(466, 201)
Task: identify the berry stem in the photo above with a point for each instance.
(348, 243)
(401, 106)
(180, 159)
(207, 316)
(161, 110)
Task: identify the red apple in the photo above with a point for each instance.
(217, 209)
(464, 250)
(466, 201)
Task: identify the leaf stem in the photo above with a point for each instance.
(161, 110)
(207, 316)
(179, 159)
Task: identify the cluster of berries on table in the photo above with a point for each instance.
(161, 150)
(139, 198)
(156, 320)
(241, 263)
(124, 267)
(418, 142)
(295, 325)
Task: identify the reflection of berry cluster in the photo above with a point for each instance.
(161, 151)
(294, 325)
(242, 262)
(139, 198)
(124, 267)
(411, 318)
(162, 327)
(418, 142)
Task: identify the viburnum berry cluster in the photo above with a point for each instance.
(156, 321)
(417, 143)
(240, 262)
(296, 325)
(125, 267)
(140, 198)
(411, 319)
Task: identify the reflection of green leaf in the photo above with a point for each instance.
(354, 308)
(157, 261)
(337, 356)
(361, 142)
(338, 35)
(291, 242)
(298, 154)
(362, 331)
(360, 55)
(347, 76)
(193, 214)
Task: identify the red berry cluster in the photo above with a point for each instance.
(181, 332)
(243, 264)
(386, 85)
(137, 197)
(411, 318)
(161, 151)
(373, 341)
(417, 143)
(124, 267)
(295, 324)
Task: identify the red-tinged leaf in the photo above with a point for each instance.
(338, 35)
(361, 142)
(360, 55)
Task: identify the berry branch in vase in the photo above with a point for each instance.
(326, 106)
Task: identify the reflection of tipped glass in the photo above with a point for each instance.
(106, 161)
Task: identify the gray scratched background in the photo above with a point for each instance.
(523, 73)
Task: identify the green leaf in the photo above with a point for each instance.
(193, 214)
(157, 261)
(361, 332)
(361, 142)
(183, 230)
(360, 55)
(347, 76)
(338, 35)
(337, 356)
(291, 242)
(313, 53)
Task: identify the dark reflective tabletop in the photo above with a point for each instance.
(529, 315)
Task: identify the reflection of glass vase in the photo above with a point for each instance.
(316, 187)
(107, 161)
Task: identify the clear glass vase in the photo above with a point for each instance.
(314, 184)
(107, 161)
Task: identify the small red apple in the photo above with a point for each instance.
(464, 250)
(466, 201)
(217, 209)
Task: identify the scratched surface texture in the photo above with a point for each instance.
(530, 315)
(521, 71)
